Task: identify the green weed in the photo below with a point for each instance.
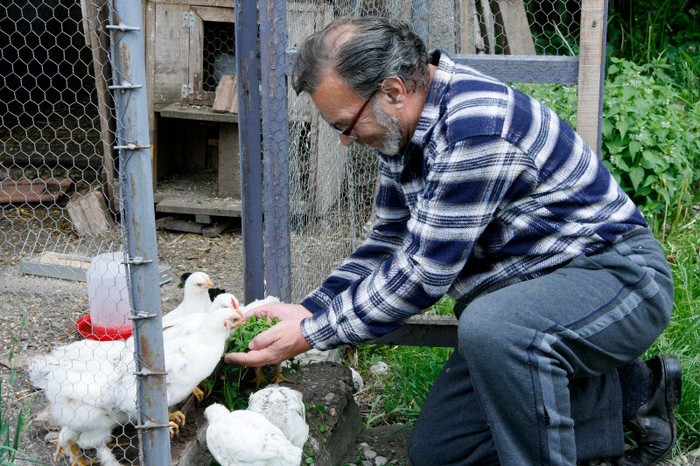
(11, 430)
(236, 387)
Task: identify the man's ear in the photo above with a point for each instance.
(395, 89)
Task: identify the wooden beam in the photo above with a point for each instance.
(94, 14)
(423, 330)
(591, 77)
(518, 35)
(558, 69)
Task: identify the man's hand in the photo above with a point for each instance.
(278, 343)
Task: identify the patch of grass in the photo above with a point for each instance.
(682, 337)
(399, 394)
(11, 429)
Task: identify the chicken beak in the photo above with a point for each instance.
(233, 322)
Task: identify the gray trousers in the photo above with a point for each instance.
(534, 380)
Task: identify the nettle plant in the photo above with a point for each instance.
(650, 139)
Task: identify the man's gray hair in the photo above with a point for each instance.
(362, 52)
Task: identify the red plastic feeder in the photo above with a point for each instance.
(95, 332)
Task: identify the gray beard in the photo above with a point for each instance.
(391, 143)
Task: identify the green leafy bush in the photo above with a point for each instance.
(650, 129)
(650, 139)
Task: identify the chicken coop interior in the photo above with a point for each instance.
(62, 165)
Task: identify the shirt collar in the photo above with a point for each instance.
(438, 87)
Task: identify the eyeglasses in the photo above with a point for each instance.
(350, 126)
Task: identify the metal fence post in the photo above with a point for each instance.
(139, 229)
(273, 30)
(248, 66)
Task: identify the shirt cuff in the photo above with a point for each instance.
(319, 333)
(317, 301)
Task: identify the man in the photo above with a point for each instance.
(488, 196)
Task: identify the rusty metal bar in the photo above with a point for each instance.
(139, 228)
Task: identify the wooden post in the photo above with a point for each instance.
(98, 40)
(516, 27)
(591, 76)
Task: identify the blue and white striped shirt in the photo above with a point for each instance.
(493, 188)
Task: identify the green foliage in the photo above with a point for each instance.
(682, 337)
(643, 32)
(11, 430)
(649, 136)
(235, 388)
(561, 98)
(400, 394)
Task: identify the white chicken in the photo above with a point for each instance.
(285, 408)
(188, 324)
(89, 392)
(91, 386)
(195, 299)
(242, 437)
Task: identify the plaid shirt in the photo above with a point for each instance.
(493, 188)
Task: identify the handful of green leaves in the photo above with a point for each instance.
(234, 392)
(238, 342)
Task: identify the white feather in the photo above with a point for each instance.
(91, 386)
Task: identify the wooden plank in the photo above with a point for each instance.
(208, 3)
(590, 80)
(423, 330)
(229, 161)
(174, 205)
(517, 29)
(36, 190)
(72, 267)
(196, 112)
(509, 68)
(149, 21)
(221, 15)
(525, 68)
(209, 230)
(489, 20)
(171, 63)
(226, 98)
(89, 214)
(195, 62)
(471, 35)
(94, 14)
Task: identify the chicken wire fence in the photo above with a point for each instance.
(60, 196)
(61, 226)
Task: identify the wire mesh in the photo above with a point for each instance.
(332, 186)
(60, 203)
